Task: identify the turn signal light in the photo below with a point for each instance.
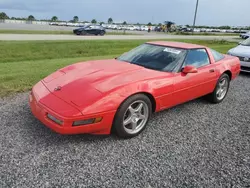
(87, 121)
(52, 118)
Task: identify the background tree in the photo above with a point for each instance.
(31, 18)
(110, 21)
(94, 21)
(3, 16)
(160, 24)
(54, 19)
(101, 23)
(124, 23)
(224, 27)
(75, 19)
(149, 24)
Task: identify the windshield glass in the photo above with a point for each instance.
(246, 42)
(155, 57)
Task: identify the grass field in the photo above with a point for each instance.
(206, 34)
(56, 32)
(22, 64)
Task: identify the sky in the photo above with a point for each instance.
(210, 12)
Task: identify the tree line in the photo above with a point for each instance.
(75, 19)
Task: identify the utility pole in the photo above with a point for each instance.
(195, 14)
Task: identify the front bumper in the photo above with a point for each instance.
(40, 111)
(245, 66)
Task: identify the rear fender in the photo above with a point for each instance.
(231, 64)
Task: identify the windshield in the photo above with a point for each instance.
(155, 57)
(246, 42)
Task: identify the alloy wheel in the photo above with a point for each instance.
(135, 117)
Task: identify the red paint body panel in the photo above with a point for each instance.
(59, 111)
(97, 88)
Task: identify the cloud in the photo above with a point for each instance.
(210, 12)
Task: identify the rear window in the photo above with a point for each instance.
(217, 56)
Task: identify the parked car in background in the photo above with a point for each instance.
(90, 30)
(245, 35)
(185, 29)
(158, 29)
(53, 23)
(121, 94)
(242, 51)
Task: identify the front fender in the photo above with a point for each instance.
(111, 100)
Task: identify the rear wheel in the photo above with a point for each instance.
(132, 116)
(221, 89)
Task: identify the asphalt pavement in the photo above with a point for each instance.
(140, 34)
(196, 144)
(28, 37)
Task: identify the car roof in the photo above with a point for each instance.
(176, 44)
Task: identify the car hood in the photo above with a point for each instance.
(242, 51)
(84, 83)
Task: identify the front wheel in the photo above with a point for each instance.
(102, 33)
(132, 116)
(221, 89)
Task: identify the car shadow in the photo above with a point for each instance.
(40, 132)
(245, 74)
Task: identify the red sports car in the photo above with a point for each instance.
(120, 94)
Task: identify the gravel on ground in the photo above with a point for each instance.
(196, 144)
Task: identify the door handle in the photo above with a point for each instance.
(211, 70)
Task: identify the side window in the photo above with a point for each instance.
(217, 56)
(197, 58)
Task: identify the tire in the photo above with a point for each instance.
(216, 97)
(102, 33)
(132, 116)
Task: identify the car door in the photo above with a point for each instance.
(89, 29)
(93, 30)
(193, 85)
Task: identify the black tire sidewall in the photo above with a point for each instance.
(102, 33)
(118, 120)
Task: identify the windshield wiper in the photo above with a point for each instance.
(145, 66)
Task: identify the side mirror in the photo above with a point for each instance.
(189, 69)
